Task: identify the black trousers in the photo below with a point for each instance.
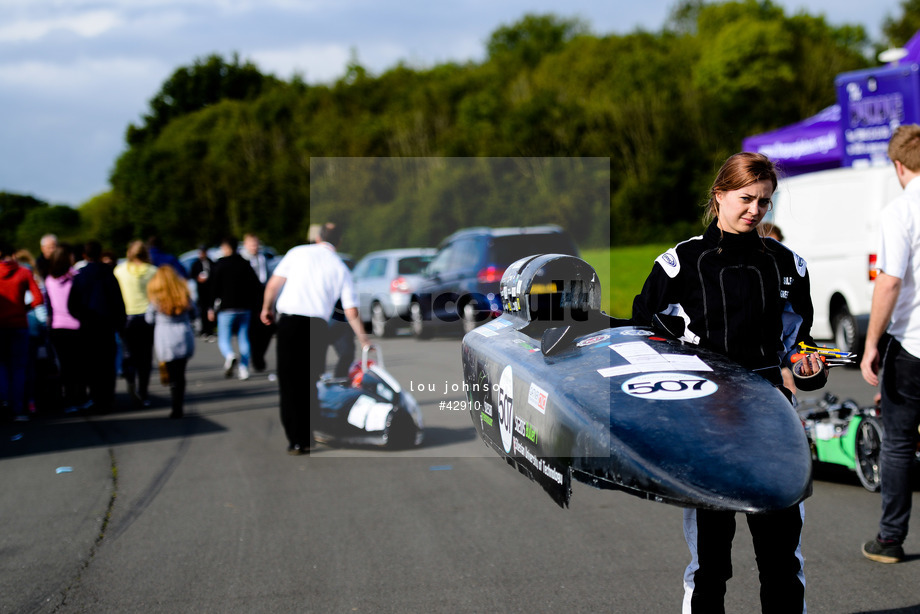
(176, 371)
(99, 350)
(70, 352)
(777, 548)
(260, 336)
(900, 418)
(137, 353)
(205, 303)
(299, 398)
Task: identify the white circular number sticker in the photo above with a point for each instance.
(506, 407)
(669, 386)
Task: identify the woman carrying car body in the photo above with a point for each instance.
(736, 293)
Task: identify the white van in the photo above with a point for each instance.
(830, 218)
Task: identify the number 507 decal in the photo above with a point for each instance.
(668, 386)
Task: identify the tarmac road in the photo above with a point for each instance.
(209, 514)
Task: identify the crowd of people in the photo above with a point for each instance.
(76, 318)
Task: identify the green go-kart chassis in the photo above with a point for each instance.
(842, 433)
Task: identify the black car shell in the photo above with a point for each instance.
(562, 391)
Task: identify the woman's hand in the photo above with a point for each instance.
(811, 365)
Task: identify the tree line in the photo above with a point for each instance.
(225, 149)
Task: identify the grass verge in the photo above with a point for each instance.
(622, 271)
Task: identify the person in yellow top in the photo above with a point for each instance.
(133, 275)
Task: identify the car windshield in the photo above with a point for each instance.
(512, 248)
(412, 265)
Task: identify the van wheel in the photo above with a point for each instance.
(846, 331)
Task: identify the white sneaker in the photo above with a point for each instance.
(243, 373)
(229, 364)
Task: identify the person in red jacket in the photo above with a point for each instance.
(15, 281)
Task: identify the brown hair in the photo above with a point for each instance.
(61, 260)
(904, 146)
(168, 291)
(24, 256)
(768, 229)
(740, 170)
(137, 251)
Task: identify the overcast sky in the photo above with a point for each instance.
(75, 73)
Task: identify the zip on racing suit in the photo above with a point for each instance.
(748, 298)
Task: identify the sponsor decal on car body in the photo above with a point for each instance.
(669, 386)
(592, 340)
(537, 397)
(506, 408)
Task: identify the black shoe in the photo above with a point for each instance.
(883, 551)
(297, 449)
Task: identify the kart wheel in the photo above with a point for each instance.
(400, 431)
(417, 321)
(868, 448)
(380, 324)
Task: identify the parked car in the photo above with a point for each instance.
(461, 284)
(384, 281)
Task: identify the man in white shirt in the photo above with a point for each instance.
(896, 307)
(307, 283)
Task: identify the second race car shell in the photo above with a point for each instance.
(550, 287)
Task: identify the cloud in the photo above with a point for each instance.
(88, 25)
(315, 62)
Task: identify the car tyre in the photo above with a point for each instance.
(400, 431)
(868, 446)
(846, 331)
(417, 322)
(468, 318)
(380, 323)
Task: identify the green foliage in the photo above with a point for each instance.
(759, 69)
(226, 150)
(529, 40)
(622, 271)
(105, 219)
(418, 201)
(13, 211)
(190, 89)
(899, 30)
(59, 220)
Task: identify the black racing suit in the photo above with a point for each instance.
(741, 295)
(748, 298)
